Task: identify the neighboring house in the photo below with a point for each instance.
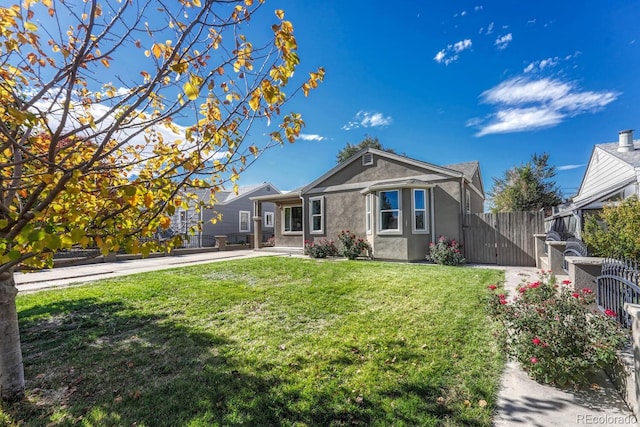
(398, 204)
(233, 213)
(613, 174)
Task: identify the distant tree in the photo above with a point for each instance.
(527, 187)
(368, 142)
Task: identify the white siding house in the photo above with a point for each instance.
(613, 173)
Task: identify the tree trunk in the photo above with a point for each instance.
(11, 367)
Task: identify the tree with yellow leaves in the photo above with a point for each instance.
(88, 162)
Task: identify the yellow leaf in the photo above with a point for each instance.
(157, 50)
(148, 200)
(254, 102)
(280, 13)
(191, 91)
(30, 26)
(197, 3)
(105, 62)
(165, 222)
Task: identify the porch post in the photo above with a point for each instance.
(257, 224)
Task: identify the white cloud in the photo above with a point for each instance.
(525, 104)
(463, 13)
(546, 63)
(569, 167)
(478, 8)
(450, 53)
(368, 119)
(503, 41)
(462, 45)
(311, 137)
(490, 28)
(531, 21)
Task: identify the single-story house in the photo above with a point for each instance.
(232, 214)
(398, 204)
(613, 174)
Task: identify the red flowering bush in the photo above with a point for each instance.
(320, 249)
(352, 247)
(549, 329)
(445, 252)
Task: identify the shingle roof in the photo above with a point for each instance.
(467, 168)
(631, 157)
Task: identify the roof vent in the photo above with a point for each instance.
(367, 159)
(625, 141)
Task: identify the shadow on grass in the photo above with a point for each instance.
(105, 363)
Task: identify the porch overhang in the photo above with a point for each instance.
(391, 185)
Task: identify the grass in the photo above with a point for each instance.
(267, 341)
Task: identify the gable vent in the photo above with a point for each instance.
(367, 159)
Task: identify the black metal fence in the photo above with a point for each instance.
(617, 285)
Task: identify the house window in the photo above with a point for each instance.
(244, 221)
(420, 211)
(368, 218)
(467, 201)
(389, 208)
(316, 208)
(292, 219)
(367, 159)
(268, 219)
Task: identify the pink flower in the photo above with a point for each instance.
(575, 295)
(522, 290)
(534, 360)
(587, 291)
(492, 287)
(536, 341)
(502, 296)
(534, 285)
(566, 282)
(503, 301)
(610, 313)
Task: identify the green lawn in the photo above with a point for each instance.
(267, 341)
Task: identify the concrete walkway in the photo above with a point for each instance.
(67, 276)
(524, 402)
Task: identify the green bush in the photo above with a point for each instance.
(549, 329)
(615, 232)
(445, 252)
(352, 247)
(321, 249)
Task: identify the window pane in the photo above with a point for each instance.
(389, 220)
(317, 223)
(315, 207)
(419, 199)
(420, 220)
(388, 200)
(287, 219)
(296, 218)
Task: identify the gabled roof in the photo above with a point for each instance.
(226, 196)
(447, 171)
(469, 169)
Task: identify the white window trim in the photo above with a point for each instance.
(248, 213)
(267, 223)
(379, 211)
(312, 215)
(290, 233)
(424, 230)
(368, 220)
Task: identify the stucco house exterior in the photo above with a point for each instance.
(398, 204)
(233, 213)
(612, 174)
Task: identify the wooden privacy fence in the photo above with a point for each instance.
(504, 238)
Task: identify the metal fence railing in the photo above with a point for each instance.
(617, 285)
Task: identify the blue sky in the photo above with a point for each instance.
(449, 82)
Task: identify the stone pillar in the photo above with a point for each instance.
(632, 392)
(583, 271)
(257, 224)
(555, 252)
(222, 242)
(540, 242)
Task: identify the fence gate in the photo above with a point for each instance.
(504, 238)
